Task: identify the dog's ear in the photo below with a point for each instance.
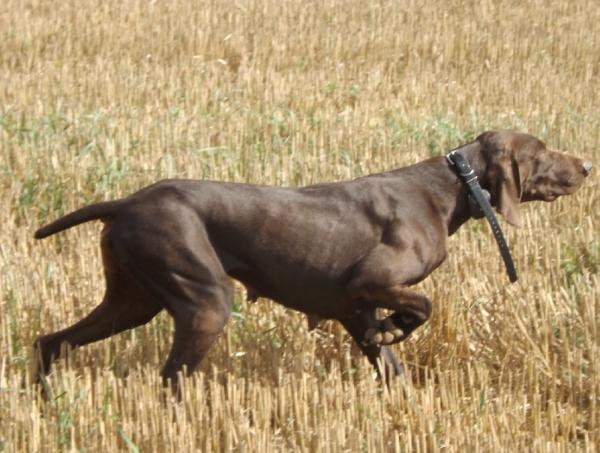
(503, 175)
(509, 191)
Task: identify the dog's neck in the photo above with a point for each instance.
(451, 200)
(457, 191)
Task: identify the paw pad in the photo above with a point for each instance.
(385, 333)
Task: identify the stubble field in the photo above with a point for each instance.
(100, 98)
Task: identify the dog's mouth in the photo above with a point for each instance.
(552, 191)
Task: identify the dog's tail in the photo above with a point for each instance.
(103, 210)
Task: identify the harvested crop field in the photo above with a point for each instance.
(100, 98)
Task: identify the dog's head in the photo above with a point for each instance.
(520, 168)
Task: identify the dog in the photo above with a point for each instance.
(337, 250)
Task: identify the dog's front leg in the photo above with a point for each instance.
(410, 311)
(381, 357)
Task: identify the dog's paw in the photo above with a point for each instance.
(385, 333)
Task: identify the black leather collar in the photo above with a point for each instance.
(479, 204)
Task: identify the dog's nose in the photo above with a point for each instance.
(587, 167)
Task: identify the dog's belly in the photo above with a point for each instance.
(325, 299)
(306, 291)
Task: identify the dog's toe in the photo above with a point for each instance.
(390, 327)
(398, 333)
(388, 338)
(373, 336)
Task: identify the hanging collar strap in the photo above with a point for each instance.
(481, 197)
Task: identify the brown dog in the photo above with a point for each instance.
(335, 251)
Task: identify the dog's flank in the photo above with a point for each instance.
(334, 251)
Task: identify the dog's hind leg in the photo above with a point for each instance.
(173, 258)
(198, 323)
(125, 306)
